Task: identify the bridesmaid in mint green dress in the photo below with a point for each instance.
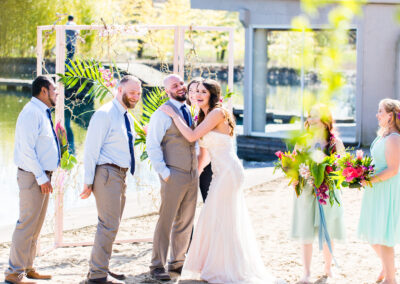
(380, 211)
(306, 216)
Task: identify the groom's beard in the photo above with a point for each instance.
(179, 98)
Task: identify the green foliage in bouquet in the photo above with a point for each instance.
(289, 163)
(324, 173)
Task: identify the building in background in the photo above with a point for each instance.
(272, 88)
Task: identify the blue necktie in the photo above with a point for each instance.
(130, 137)
(186, 115)
(54, 133)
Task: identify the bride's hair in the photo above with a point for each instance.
(325, 116)
(214, 88)
(391, 106)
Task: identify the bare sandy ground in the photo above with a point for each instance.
(270, 208)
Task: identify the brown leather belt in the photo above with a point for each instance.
(47, 172)
(116, 166)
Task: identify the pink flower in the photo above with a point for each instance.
(145, 128)
(196, 118)
(359, 154)
(113, 83)
(221, 100)
(279, 154)
(322, 193)
(359, 172)
(62, 137)
(350, 174)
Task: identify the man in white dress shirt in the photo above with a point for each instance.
(37, 155)
(175, 160)
(109, 155)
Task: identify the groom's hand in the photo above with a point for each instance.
(87, 190)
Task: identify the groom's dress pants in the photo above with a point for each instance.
(178, 205)
(109, 190)
(32, 212)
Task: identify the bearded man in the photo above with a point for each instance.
(109, 155)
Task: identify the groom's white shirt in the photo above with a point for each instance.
(158, 125)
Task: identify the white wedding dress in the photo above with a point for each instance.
(224, 247)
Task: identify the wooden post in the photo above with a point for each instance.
(176, 52)
(39, 51)
(60, 68)
(181, 49)
(231, 65)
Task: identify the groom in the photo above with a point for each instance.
(175, 160)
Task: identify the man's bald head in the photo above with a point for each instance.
(175, 87)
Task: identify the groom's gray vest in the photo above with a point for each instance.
(178, 152)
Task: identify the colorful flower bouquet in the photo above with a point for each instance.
(68, 160)
(354, 169)
(314, 169)
(323, 173)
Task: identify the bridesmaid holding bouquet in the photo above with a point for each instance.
(380, 211)
(306, 217)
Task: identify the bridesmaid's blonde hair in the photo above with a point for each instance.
(391, 106)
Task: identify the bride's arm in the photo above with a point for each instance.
(204, 159)
(209, 123)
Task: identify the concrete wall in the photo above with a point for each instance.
(379, 33)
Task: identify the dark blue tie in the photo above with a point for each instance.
(186, 115)
(54, 133)
(130, 137)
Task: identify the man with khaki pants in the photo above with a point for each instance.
(175, 160)
(37, 155)
(109, 154)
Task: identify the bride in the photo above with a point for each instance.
(224, 247)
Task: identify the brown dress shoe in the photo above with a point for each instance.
(17, 279)
(117, 276)
(160, 274)
(32, 274)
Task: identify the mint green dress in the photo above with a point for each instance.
(380, 210)
(306, 217)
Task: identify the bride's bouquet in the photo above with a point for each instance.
(354, 169)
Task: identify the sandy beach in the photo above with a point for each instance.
(270, 209)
